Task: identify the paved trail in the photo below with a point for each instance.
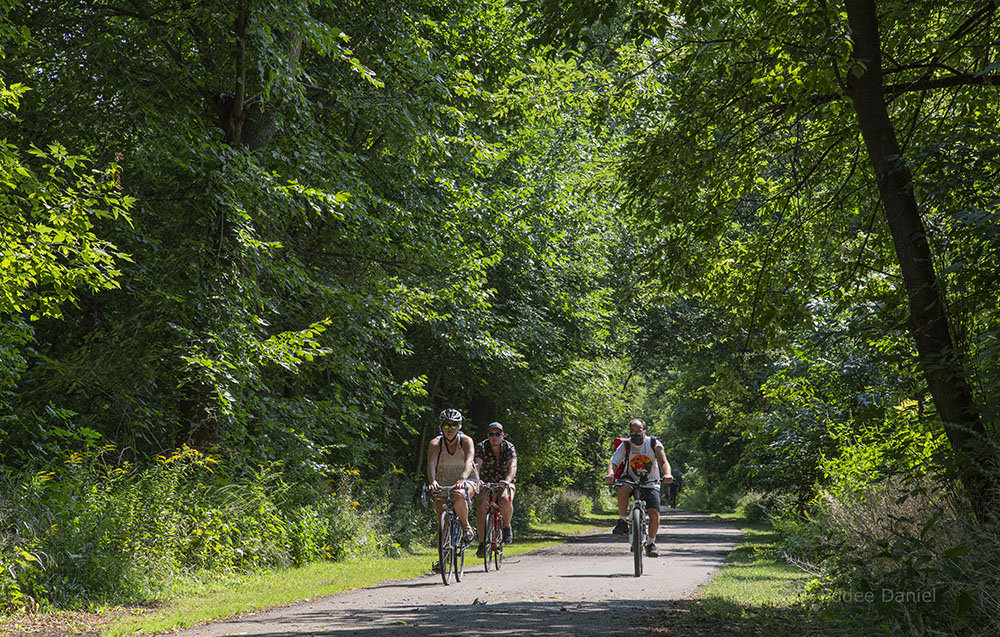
(582, 587)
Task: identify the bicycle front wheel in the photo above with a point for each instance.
(637, 540)
(459, 553)
(488, 541)
(446, 547)
(497, 540)
(498, 551)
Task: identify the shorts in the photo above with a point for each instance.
(651, 496)
(498, 492)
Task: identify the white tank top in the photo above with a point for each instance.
(450, 465)
(643, 457)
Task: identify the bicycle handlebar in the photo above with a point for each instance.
(632, 483)
(443, 491)
(493, 486)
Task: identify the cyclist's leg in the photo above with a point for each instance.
(623, 495)
(438, 510)
(461, 506)
(621, 526)
(482, 501)
(507, 513)
(652, 499)
(507, 505)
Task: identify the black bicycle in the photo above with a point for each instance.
(493, 533)
(451, 537)
(638, 519)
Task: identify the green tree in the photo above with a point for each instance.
(750, 169)
(51, 250)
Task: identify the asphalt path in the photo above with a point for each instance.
(584, 586)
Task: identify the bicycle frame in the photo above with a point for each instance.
(638, 518)
(451, 541)
(493, 530)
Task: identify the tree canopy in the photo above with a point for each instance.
(289, 234)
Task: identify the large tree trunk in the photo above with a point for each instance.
(928, 321)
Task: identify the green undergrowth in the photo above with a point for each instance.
(755, 573)
(756, 593)
(224, 598)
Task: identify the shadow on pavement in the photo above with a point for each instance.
(522, 618)
(633, 617)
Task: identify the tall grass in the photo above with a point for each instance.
(897, 558)
(98, 531)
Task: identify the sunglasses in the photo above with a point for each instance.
(495, 434)
(449, 425)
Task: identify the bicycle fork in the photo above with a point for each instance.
(644, 522)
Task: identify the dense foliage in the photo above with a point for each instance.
(248, 250)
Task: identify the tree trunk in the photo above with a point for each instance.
(482, 411)
(432, 387)
(928, 321)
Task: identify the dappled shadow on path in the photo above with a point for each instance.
(623, 617)
(520, 618)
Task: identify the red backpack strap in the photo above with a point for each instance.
(621, 468)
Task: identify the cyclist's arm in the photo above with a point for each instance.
(511, 470)
(661, 458)
(470, 453)
(617, 458)
(432, 455)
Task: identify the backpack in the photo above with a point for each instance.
(617, 442)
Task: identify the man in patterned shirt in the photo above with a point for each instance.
(496, 460)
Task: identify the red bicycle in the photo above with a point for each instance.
(493, 536)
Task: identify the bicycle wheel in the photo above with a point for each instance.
(497, 539)
(498, 551)
(637, 540)
(459, 553)
(488, 540)
(446, 547)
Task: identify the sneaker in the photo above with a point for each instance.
(508, 535)
(621, 528)
(651, 550)
(481, 551)
(436, 567)
(470, 534)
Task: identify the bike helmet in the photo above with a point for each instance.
(452, 415)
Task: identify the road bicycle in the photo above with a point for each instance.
(451, 536)
(638, 519)
(493, 534)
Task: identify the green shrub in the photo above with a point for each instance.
(571, 506)
(751, 507)
(94, 531)
(605, 502)
(533, 506)
(898, 556)
(759, 507)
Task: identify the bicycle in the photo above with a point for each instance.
(638, 519)
(451, 537)
(493, 534)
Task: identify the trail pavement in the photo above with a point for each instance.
(582, 587)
